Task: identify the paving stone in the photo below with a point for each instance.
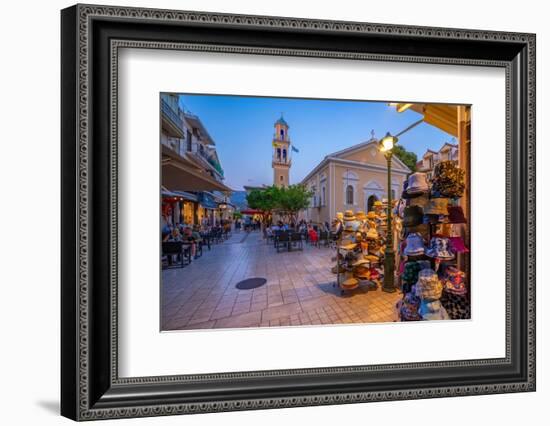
(297, 282)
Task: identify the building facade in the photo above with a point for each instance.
(192, 176)
(352, 179)
(448, 152)
(281, 161)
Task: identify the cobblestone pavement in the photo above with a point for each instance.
(299, 290)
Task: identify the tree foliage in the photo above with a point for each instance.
(290, 201)
(286, 202)
(408, 157)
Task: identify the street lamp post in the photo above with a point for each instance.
(387, 144)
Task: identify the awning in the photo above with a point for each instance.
(186, 195)
(181, 175)
(251, 211)
(444, 117)
(207, 201)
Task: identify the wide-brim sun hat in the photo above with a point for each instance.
(348, 247)
(371, 215)
(360, 215)
(349, 216)
(350, 283)
(372, 234)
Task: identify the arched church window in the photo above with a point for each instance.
(349, 194)
(284, 154)
(279, 153)
(282, 134)
(370, 202)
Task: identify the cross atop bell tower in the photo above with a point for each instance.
(281, 154)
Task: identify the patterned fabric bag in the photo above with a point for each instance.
(410, 275)
(448, 180)
(457, 306)
(408, 311)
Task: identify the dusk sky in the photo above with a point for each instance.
(242, 128)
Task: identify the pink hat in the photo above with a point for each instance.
(457, 245)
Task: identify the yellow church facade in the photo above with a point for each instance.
(352, 179)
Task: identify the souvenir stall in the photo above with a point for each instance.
(359, 251)
(430, 246)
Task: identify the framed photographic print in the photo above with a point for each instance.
(263, 212)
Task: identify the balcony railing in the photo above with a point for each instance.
(171, 115)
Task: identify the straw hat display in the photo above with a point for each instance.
(361, 246)
(360, 215)
(372, 234)
(349, 246)
(350, 283)
(349, 216)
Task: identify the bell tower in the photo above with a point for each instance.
(281, 161)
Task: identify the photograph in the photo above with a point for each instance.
(278, 212)
(266, 207)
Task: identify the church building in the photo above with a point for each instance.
(352, 179)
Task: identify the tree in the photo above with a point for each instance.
(408, 157)
(263, 200)
(286, 202)
(290, 201)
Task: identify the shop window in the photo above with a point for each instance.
(349, 194)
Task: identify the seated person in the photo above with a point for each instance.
(312, 235)
(190, 239)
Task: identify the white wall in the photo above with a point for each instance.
(29, 176)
